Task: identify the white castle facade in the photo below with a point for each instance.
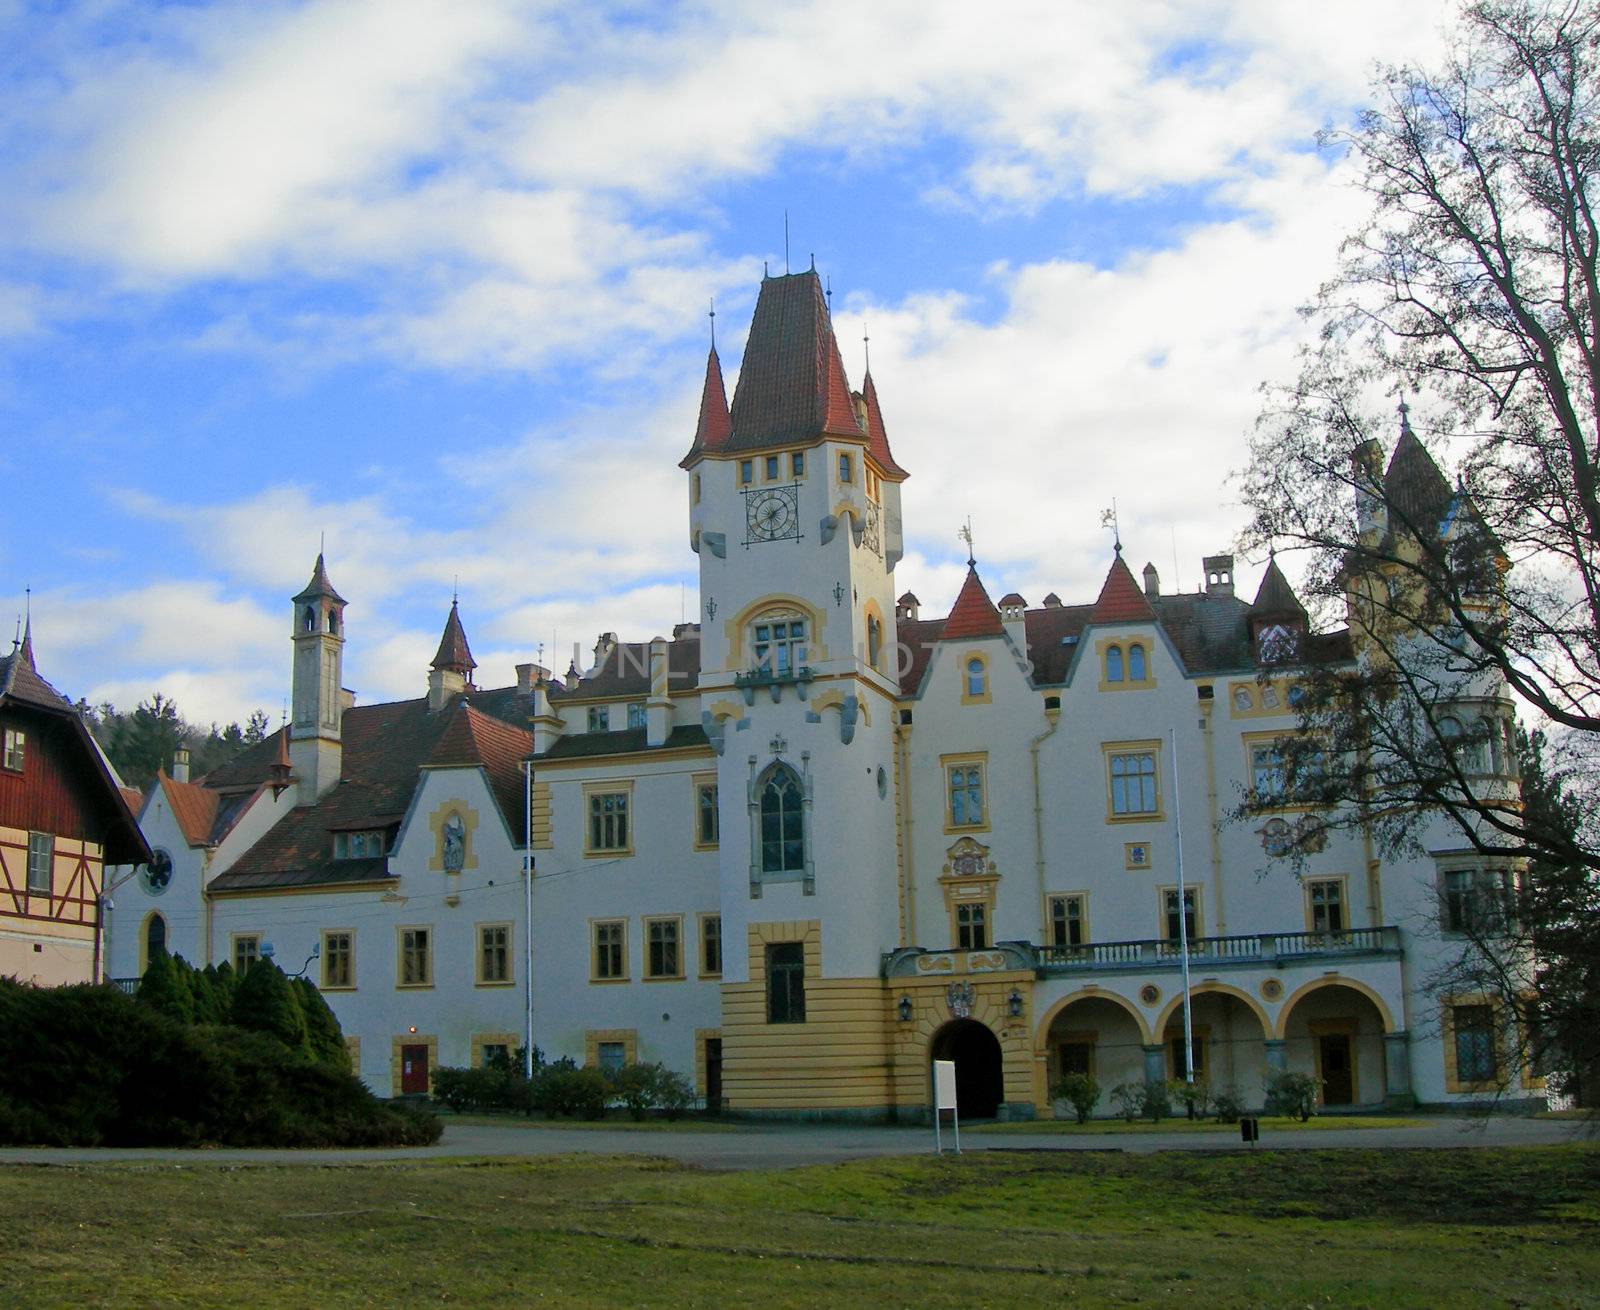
(815, 839)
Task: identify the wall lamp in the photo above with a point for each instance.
(905, 1009)
(1014, 1004)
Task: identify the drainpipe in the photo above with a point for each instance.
(1038, 818)
(1206, 707)
(908, 898)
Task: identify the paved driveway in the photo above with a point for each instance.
(778, 1146)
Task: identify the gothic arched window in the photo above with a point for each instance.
(783, 842)
(1136, 670)
(155, 938)
(310, 620)
(977, 678)
(1113, 663)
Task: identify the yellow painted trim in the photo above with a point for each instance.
(144, 937)
(833, 698)
(511, 1041)
(965, 759)
(676, 920)
(593, 1037)
(395, 1059)
(701, 1037)
(469, 822)
(542, 814)
(1049, 917)
(1281, 1029)
(610, 787)
(700, 944)
(1319, 1028)
(1447, 1031)
(1343, 882)
(326, 956)
(400, 931)
(510, 980)
(241, 893)
(1220, 989)
(984, 697)
(1249, 741)
(234, 938)
(594, 951)
(1279, 688)
(1125, 645)
(1110, 750)
(698, 782)
(1199, 910)
(1091, 993)
(1530, 1081)
(737, 627)
(1128, 862)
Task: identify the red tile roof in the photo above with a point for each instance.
(973, 614)
(715, 427)
(194, 808)
(877, 437)
(1121, 600)
(1012, 598)
(454, 652)
(474, 737)
(792, 385)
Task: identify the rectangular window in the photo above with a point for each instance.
(797, 464)
(1267, 777)
(608, 821)
(599, 718)
(416, 958)
(1068, 923)
(1133, 783)
(965, 791)
(41, 862)
(846, 471)
(780, 648)
(661, 949)
(610, 950)
(972, 926)
(16, 748)
(636, 714)
(747, 472)
(611, 1056)
(338, 959)
(772, 468)
(246, 951)
(494, 953)
(786, 982)
(1326, 899)
(496, 1055)
(711, 946)
(1169, 918)
(1474, 1041)
(708, 826)
(1478, 900)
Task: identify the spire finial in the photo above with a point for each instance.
(1108, 519)
(1405, 414)
(965, 533)
(866, 347)
(322, 543)
(455, 590)
(828, 289)
(713, 317)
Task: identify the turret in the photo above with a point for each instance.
(316, 728)
(450, 675)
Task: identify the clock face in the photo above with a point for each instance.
(770, 516)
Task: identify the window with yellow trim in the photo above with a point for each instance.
(416, 958)
(707, 824)
(663, 948)
(972, 925)
(609, 960)
(1069, 919)
(246, 951)
(1174, 928)
(494, 954)
(965, 802)
(1134, 789)
(338, 959)
(1325, 909)
(710, 945)
(608, 821)
(974, 680)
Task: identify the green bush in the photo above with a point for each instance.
(164, 989)
(1155, 1103)
(1080, 1091)
(1128, 1098)
(1293, 1094)
(1195, 1097)
(266, 1002)
(646, 1087)
(566, 1090)
(324, 1037)
(88, 1066)
(1227, 1104)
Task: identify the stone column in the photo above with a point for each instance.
(1155, 1064)
(1277, 1054)
(1397, 1063)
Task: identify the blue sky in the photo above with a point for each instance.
(431, 280)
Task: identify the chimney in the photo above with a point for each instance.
(1372, 517)
(347, 699)
(1219, 574)
(907, 608)
(1152, 580)
(658, 709)
(1013, 612)
(180, 764)
(603, 646)
(1052, 601)
(530, 676)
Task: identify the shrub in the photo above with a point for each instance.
(1128, 1098)
(163, 989)
(324, 1037)
(266, 1003)
(674, 1093)
(1194, 1097)
(1227, 1104)
(646, 1087)
(581, 1093)
(1080, 1091)
(1155, 1101)
(1292, 1094)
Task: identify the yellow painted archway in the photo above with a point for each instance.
(1042, 1035)
(1280, 1031)
(1221, 989)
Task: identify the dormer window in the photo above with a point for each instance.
(636, 715)
(358, 845)
(599, 718)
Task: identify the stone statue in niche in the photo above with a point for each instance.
(455, 844)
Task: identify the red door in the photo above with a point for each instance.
(413, 1070)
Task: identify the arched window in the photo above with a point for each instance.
(1452, 734)
(310, 620)
(783, 842)
(874, 639)
(333, 623)
(977, 678)
(1136, 671)
(1113, 663)
(778, 641)
(155, 938)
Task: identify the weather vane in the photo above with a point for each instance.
(1108, 519)
(965, 533)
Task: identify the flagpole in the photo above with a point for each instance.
(1183, 916)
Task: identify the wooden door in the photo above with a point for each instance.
(413, 1070)
(1338, 1085)
(713, 1074)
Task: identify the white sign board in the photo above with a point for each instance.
(944, 1084)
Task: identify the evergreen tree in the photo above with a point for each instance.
(267, 1003)
(323, 1034)
(163, 989)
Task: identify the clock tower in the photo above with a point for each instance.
(794, 511)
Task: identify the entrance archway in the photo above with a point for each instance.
(980, 1086)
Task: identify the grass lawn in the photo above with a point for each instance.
(1180, 1125)
(1348, 1228)
(611, 1123)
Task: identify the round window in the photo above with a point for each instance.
(155, 876)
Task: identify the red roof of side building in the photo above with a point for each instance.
(194, 808)
(474, 737)
(1121, 600)
(973, 614)
(453, 652)
(715, 427)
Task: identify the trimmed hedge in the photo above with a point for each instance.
(88, 1066)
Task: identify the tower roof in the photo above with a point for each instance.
(1121, 599)
(715, 427)
(792, 384)
(973, 614)
(319, 586)
(877, 437)
(454, 653)
(1413, 486)
(25, 650)
(1275, 596)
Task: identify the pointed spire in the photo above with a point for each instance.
(319, 586)
(1413, 486)
(973, 614)
(1275, 597)
(1121, 600)
(877, 438)
(25, 651)
(454, 654)
(714, 429)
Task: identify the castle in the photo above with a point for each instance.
(815, 839)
